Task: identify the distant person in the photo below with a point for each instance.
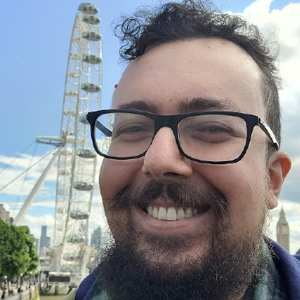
(192, 164)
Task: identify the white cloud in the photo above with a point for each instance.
(44, 204)
(258, 10)
(35, 223)
(284, 26)
(22, 185)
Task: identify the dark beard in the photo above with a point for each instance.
(224, 272)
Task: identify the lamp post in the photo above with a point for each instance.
(20, 283)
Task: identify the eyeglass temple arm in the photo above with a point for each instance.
(103, 129)
(268, 131)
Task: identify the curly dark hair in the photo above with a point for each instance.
(190, 20)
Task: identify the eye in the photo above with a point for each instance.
(210, 132)
(132, 131)
(214, 128)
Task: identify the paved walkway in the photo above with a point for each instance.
(62, 292)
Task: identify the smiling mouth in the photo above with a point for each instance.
(174, 213)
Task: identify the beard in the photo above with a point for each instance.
(159, 272)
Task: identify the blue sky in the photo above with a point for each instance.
(33, 56)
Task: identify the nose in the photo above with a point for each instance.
(163, 161)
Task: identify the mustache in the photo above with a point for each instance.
(183, 194)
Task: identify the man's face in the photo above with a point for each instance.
(225, 200)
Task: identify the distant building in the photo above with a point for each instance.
(37, 246)
(4, 215)
(96, 239)
(48, 241)
(43, 239)
(283, 231)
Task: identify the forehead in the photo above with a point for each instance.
(170, 76)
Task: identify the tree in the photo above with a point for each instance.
(18, 255)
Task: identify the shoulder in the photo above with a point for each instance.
(289, 268)
(284, 256)
(85, 288)
(71, 295)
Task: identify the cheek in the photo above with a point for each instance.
(116, 175)
(244, 187)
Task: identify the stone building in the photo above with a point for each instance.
(4, 215)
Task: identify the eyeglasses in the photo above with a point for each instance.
(212, 137)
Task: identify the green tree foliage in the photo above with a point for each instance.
(17, 248)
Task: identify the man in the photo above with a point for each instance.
(192, 164)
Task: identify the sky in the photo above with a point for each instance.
(33, 56)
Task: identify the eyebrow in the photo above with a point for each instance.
(139, 105)
(200, 104)
(196, 104)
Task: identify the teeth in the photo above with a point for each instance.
(162, 213)
(180, 214)
(154, 212)
(171, 213)
(150, 211)
(188, 213)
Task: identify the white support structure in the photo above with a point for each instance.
(27, 204)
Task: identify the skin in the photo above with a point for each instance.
(164, 78)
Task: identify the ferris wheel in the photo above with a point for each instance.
(77, 159)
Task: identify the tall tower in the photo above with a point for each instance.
(283, 231)
(96, 239)
(43, 239)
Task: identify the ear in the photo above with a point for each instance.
(279, 166)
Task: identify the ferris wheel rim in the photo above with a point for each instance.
(76, 145)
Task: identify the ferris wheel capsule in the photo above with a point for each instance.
(92, 59)
(90, 87)
(88, 8)
(86, 153)
(90, 19)
(91, 36)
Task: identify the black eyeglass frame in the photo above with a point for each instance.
(172, 121)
